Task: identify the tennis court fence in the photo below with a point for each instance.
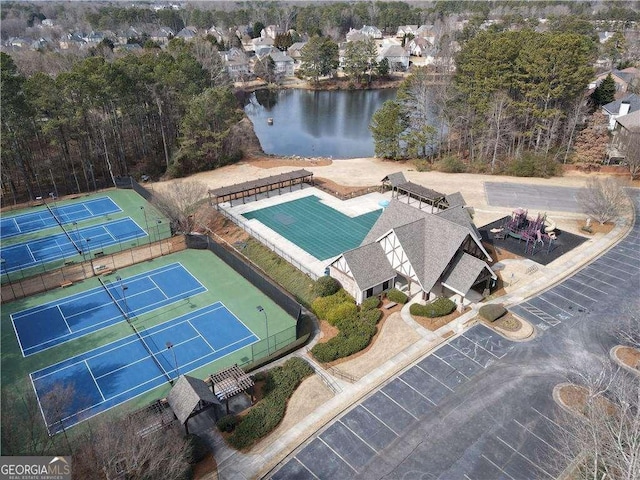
(269, 244)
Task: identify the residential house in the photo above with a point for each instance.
(370, 31)
(93, 38)
(354, 35)
(619, 108)
(294, 51)
(163, 35)
(622, 78)
(47, 22)
(626, 126)
(397, 56)
(271, 31)
(427, 32)
(40, 44)
(365, 32)
(406, 30)
(18, 43)
(216, 33)
(187, 34)
(71, 40)
(422, 253)
(420, 47)
(236, 62)
(604, 36)
(262, 46)
(283, 63)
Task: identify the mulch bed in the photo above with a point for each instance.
(564, 243)
(508, 322)
(629, 356)
(434, 324)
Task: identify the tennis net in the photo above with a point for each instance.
(133, 327)
(63, 229)
(151, 354)
(113, 299)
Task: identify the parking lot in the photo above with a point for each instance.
(577, 294)
(539, 197)
(351, 442)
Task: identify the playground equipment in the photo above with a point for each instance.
(536, 233)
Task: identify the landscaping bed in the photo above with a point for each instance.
(434, 324)
(629, 356)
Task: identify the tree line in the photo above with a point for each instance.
(514, 93)
(140, 114)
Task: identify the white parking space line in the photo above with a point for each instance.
(494, 464)
(608, 265)
(551, 421)
(621, 251)
(553, 292)
(582, 284)
(358, 436)
(447, 363)
(305, 467)
(380, 420)
(383, 393)
(554, 305)
(337, 454)
(564, 285)
(526, 458)
(620, 262)
(418, 366)
(543, 440)
(470, 358)
(594, 267)
(599, 280)
(419, 392)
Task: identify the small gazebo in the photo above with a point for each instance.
(189, 397)
(230, 382)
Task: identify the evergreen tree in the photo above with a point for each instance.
(605, 92)
(318, 57)
(387, 126)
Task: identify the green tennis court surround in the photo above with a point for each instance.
(315, 227)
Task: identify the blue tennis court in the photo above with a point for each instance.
(34, 221)
(53, 323)
(112, 374)
(59, 246)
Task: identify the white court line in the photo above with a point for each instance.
(95, 381)
(201, 336)
(337, 454)
(64, 319)
(383, 393)
(495, 465)
(526, 458)
(418, 392)
(38, 400)
(379, 419)
(33, 258)
(158, 287)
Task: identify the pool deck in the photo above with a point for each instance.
(353, 207)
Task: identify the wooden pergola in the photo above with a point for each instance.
(230, 382)
(261, 185)
(412, 192)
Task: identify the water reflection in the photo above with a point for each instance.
(309, 123)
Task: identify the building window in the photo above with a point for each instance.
(385, 285)
(368, 293)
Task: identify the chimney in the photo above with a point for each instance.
(624, 108)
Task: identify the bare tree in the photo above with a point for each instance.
(123, 448)
(631, 149)
(603, 431)
(207, 55)
(604, 199)
(179, 201)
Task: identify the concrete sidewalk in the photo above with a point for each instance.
(266, 455)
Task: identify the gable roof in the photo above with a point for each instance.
(464, 271)
(186, 394)
(613, 108)
(395, 179)
(455, 199)
(369, 265)
(395, 51)
(394, 215)
(459, 215)
(630, 121)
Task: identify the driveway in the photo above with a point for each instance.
(480, 407)
(533, 197)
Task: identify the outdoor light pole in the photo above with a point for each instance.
(158, 222)
(146, 222)
(266, 325)
(124, 295)
(175, 360)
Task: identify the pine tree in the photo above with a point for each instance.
(605, 92)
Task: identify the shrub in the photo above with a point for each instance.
(397, 296)
(342, 311)
(451, 165)
(492, 312)
(326, 286)
(268, 413)
(370, 304)
(199, 448)
(371, 316)
(227, 423)
(322, 305)
(439, 308)
(531, 165)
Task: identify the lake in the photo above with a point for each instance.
(316, 123)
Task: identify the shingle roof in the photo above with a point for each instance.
(630, 121)
(455, 199)
(463, 272)
(421, 191)
(186, 394)
(613, 108)
(369, 265)
(394, 215)
(395, 179)
(459, 215)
